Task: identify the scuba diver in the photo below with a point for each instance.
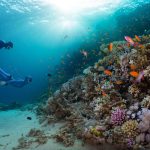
(6, 45)
(7, 79)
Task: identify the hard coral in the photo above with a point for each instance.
(118, 116)
(134, 90)
(146, 102)
(129, 128)
(143, 137)
(144, 125)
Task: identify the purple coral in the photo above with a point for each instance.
(130, 143)
(118, 116)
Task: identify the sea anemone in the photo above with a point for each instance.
(118, 116)
(129, 128)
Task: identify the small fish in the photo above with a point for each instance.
(132, 67)
(104, 94)
(137, 38)
(134, 74)
(29, 118)
(119, 82)
(129, 40)
(49, 75)
(84, 53)
(140, 76)
(110, 47)
(108, 72)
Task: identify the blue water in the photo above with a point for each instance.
(43, 32)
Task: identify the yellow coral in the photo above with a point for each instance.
(146, 102)
(95, 132)
(129, 128)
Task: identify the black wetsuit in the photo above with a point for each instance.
(2, 44)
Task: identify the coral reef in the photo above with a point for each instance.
(109, 103)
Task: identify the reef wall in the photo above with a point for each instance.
(109, 103)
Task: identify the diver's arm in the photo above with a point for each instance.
(4, 76)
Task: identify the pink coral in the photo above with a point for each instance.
(118, 116)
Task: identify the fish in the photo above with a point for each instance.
(110, 47)
(49, 75)
(84, 53)
(29, 118)
(119, 82)
(108, 72)
(129, 40)
(134, 74)
(104, 94)
(132, 67)
(137, 38)
(140, 76)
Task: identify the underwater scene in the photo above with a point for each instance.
(74, 74)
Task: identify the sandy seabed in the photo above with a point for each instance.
(14, 124)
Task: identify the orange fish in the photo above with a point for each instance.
(104, 94)
(119, 82)
(108, 72)
(132, 67)
(134, 74)
(110, 47)
(141, 46)
(129, 40)
(137, 38)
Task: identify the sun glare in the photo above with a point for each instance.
(75, 6)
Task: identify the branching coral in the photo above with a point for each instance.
(34, 136)
(146, 102)
(64, 138)
(134, 90)
(147, 72)
(129, 128)
(117, 116)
